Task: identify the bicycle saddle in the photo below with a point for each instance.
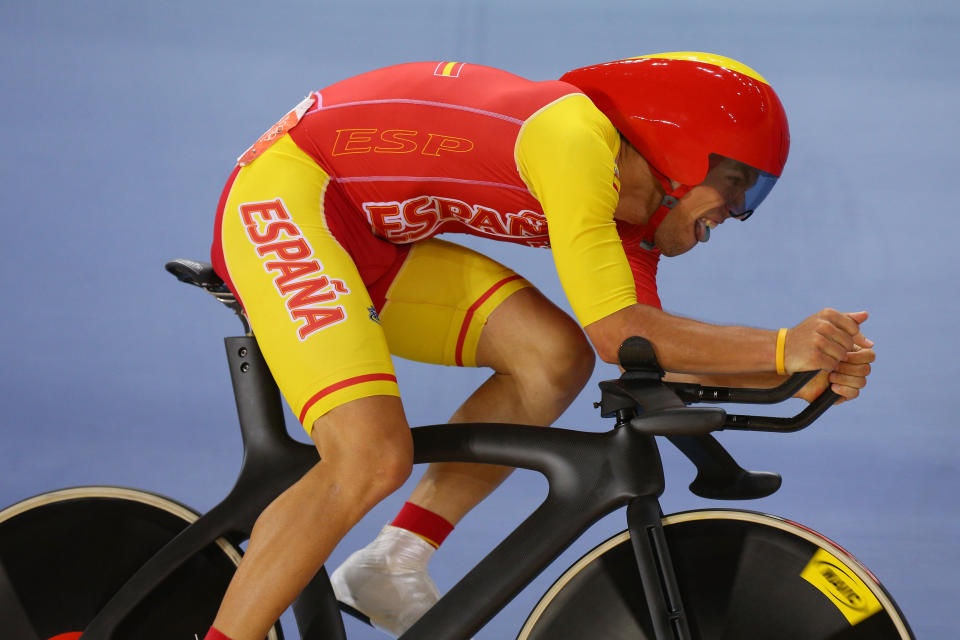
(199, 274)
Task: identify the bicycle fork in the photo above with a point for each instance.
(656, 570)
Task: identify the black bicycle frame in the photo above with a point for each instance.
(589, 475)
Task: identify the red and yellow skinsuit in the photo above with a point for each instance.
(325, 230)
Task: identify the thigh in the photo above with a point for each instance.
(440, 300)
(303, 294)
(528, 332)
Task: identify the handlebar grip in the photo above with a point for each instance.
(691, 392)
(783, 425)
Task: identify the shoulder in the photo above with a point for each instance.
(572, 119)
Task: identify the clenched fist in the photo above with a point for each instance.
(832, 342)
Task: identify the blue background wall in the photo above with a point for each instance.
(121, 120)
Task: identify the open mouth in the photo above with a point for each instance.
(702, 229)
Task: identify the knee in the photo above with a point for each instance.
(380, 465)
(389, 464)
(569, 362)
(370, 451)
(559, 362)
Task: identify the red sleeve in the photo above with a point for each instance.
(643, 263)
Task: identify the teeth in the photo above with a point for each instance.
(710, 223)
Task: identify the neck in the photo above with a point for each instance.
(641, 192)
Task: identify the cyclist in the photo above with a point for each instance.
(325, 233)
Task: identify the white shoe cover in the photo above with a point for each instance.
(388, 581)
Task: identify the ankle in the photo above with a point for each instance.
(424, 523)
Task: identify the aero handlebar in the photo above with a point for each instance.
(663, 408)
(641, 399)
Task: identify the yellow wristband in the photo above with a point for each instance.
(781, 343)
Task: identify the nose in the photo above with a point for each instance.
(736, 203)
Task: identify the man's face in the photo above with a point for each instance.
(691, 220)
(706, 206)
(732, 180)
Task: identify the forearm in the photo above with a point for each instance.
(737, 380)
(687, 346)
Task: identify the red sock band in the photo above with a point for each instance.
(426, 524)
(213, 634)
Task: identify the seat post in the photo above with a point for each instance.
(272, 460)
(258, 399)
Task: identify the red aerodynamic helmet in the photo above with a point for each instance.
(680, 108)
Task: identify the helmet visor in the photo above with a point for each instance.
(741, 186)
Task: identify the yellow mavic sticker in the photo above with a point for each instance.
(834, 580)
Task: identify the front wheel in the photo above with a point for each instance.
(65, 553)
(741, 575)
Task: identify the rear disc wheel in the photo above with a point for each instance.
(65, 553)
